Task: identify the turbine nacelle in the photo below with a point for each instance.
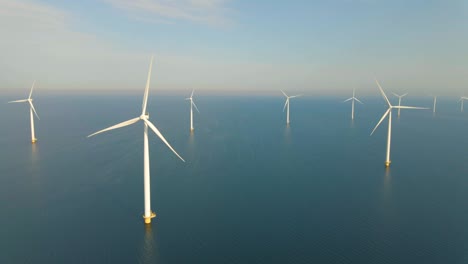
(143, 117)
(390, 107)
(389, 114)
(400, 96)
(191, 101)
(353, 98)
(287, 98)
(29, 100)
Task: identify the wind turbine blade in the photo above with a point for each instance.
(358, 100)
(383, 94)
(404, 95)
(408, 107)
(348, 99)
(284, 94)
(191, 95)
(119, 125)
(195, 106)
(156, 131)
(299, 95)
(383, 117)
(187, 98)
(34, 110)
(32, 87)
(395, 94)
(19, 101)
(145, 96)
(286, 103)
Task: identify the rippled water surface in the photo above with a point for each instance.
(252, 190)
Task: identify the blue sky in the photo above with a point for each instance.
(312, 47)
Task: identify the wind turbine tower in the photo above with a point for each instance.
(461, 100)
(31, 110)
(144, 117)
(286, 104)
(192, 104)
(352, 103)
(389, 114)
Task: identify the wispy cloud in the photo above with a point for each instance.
(212, 12)
(39, 41)
(30, 14)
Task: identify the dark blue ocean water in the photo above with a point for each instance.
(252, 190)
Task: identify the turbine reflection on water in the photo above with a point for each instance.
(34, 154)
(287, 134)
(351, 124)
(387, 188)
(149, 252)
(387, 207)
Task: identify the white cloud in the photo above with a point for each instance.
(39, 42)
(30, 14)
(212, 12)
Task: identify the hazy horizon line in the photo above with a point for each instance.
(213, 92)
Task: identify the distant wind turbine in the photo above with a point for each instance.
(461, 100)
(192, 103)
(31, 110)
(389, 113)
(399, 100)
(286, 104)
(352, 103)
(148, 215)
(435, 102)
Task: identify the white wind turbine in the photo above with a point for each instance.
(31, 110)
(435, 102)
(352, 103)
(389, 113)
(146, 161)
(192, 103)
(286, 104)
(461, 100)
(399, 100)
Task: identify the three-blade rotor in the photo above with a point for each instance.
(287, 98)
(353, 98)
(399, 96)
(191, 101)
(29, 100)
(390, 107)
(143, 117)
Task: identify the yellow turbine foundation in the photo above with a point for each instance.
(387, 163)
(148, 219)
(34, 140)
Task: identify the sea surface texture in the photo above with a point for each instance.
(252, 190)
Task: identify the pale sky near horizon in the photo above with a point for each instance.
(312, 47)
